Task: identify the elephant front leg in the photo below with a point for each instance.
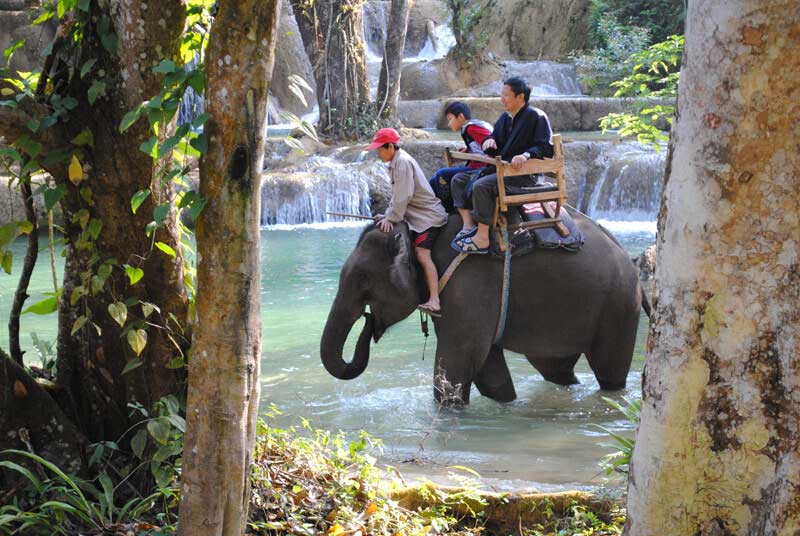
(494, 379)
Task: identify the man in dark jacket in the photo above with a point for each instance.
(522, 132)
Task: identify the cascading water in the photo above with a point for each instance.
(304, 194)
(629, 184)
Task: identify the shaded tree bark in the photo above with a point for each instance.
(718, 449)
(224, 368)
(90, 364)
(388, 95)
(332, 34)
(31, 253)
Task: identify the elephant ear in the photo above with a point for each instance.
(400, 270)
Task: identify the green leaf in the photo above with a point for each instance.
(138, 442)
(200, 120)
(165, 248)
(70, 103)
(94, 228)
(97, 89)
(150, 147)
(43, 307)
(56, 156)
(78, 324)
(160, 213)
(148, 308)
(6, 261)
(137, 340)
(132, 365)
(25, 227)
(87, 66)
(166, 66)
(134, 274)
(77, 293)
(138, 198)
(200, 143)
(10, 50)
(178, 422)
(159, 429)
(119, 312)
(83, 5)
(129, 119)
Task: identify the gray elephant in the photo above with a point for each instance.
(562, 304)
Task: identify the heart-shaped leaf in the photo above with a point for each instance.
(137, 340)
(119, 312)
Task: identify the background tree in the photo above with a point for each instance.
(465, 21)
(388, 95)
(718, 450)
(224, 368)
(123, 306)
(661, 18)
(332, 34)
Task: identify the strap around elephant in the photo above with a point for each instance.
(501, 322)
(450, 270)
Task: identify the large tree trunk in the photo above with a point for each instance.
(332, 34)
(226, 350)
(90, 364)
(718, 449)
(388, 94)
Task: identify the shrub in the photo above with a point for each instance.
(611, 62)
(661, 18)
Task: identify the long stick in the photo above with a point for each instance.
(346, 215)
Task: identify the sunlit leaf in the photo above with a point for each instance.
(165, 248)
(138, 198)
(43, 307)
(134, 274)
(137, 340)
(78, 324)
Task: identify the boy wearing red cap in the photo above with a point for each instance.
(412, 201)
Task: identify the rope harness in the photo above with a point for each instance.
(454, 264)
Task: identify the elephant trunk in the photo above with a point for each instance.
(332, 346)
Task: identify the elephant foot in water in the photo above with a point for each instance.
(493, 380)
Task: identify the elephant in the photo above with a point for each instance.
(561, 305)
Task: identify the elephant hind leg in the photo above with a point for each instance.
(559, 370)
(494, 380)
(610, 359)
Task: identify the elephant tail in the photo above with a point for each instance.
(645, 301)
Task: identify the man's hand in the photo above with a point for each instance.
(489, 143)
(518, 160)
(385, 225)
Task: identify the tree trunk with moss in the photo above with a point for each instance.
(718, 449)
(92, 83)
(388, 95)
(226, 348)
(332, 34)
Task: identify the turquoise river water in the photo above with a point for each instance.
(542, 440)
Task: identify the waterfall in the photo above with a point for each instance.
(305, 193)
(629, 185)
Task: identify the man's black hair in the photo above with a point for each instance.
(388, 143)
(518, 86)
(456, 108)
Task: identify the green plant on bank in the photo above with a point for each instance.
(619, 461)
(465, 21)
(611, 61)
(655, 73)
(581, 522)
(661, 18)
(65, 504)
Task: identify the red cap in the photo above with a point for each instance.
(384, 135)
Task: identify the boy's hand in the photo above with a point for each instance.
(489, 144)
(385, 225)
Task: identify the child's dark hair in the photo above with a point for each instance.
(456, 108)
(519, 86)
(387, 144)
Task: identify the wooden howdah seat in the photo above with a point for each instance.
(544, 195)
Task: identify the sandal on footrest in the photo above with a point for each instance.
(463, 233)
(466, 245)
